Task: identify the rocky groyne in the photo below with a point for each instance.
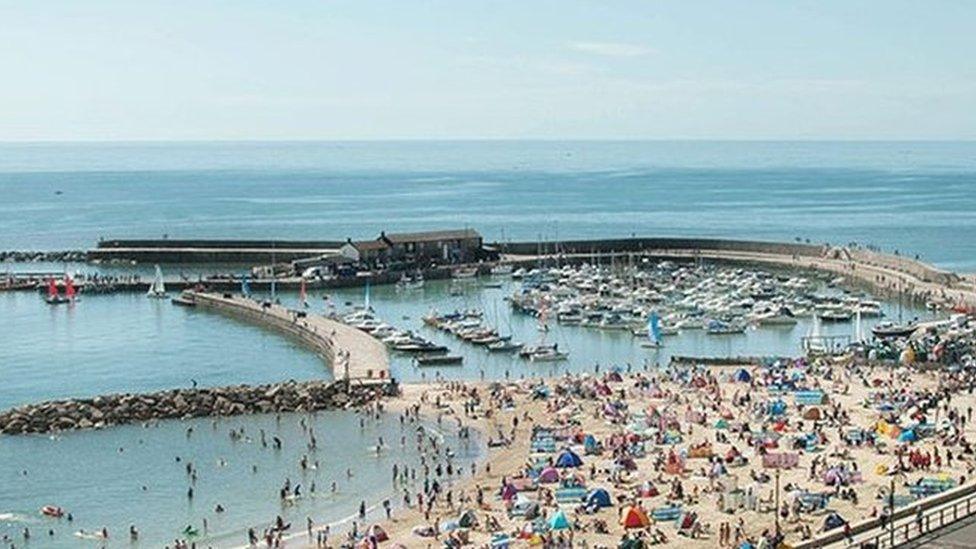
(58, 256)
(119, 409)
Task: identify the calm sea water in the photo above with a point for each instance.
(917, 197)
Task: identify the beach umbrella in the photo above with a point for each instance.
(559, 521)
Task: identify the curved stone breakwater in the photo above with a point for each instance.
(119, 409)
(57, 256)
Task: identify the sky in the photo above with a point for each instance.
(499, 69)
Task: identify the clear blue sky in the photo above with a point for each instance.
(363, 69)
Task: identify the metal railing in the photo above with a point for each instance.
(904, 526)
(912, 528)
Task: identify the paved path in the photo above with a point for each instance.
(351, 353)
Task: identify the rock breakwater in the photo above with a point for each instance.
(57, 256)
(119, 409)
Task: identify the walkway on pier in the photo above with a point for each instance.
(351, 353)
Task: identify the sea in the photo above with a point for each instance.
(916, 198)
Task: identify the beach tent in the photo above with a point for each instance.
(568, 459)
(549, 475)
(467, 519)
(631, 543)
(741, 375)
(722, 424)
(908, 435)
(635, 517)
(376, 532)
(590, 444)
(813, 414)
(559, 521)
(509, 491)
(598, 498)
(832, 521)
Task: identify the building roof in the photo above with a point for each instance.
(369, 245)
(431, 236)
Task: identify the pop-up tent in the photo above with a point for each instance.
(559, 521)
(741, 375)
(568, 459)
(635, 517)
(598, 498)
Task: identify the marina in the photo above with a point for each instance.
(543, 314)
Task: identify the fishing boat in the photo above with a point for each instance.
(890, 329)
(54, 297)
(464, 272)
(157, 289)
(503, 346)
(502, 269)
(439, 360)
(548, 355)
(718, 327)
(407, 282)
(835, 315)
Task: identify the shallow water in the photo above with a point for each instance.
(88, 475)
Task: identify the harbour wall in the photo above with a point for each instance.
(119, 409)
(351, 353)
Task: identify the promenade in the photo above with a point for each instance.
(351, 353)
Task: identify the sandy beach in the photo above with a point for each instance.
(704, 412)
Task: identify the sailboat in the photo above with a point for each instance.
(53, 297)
(653, 332)
(302, 294)
(69, 289)
(157, 290)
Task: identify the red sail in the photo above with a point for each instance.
(69, 288)
(52, 288)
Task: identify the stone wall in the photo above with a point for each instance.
(646, 244)
(120, 409)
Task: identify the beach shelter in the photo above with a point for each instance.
(813, 414)
(832, 521)
(377, 532)
(908, 435)
(568, 459)
(598, 498)
(777, 408)
(635, 517)
(631, 543)
(467, 519)
(549, 475)
(559, 521)
(590, 444)
(509, 491)
(742, 376)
